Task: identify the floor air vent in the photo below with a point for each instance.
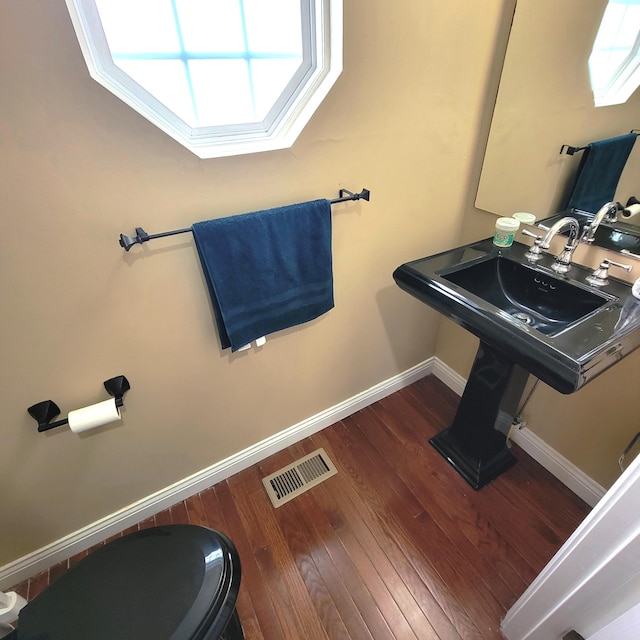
(296, 478)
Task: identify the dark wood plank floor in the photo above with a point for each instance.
(395, 546)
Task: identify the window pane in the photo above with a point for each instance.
(220, 76)
(211, 26)
(273, 27)
(629, 27)
(166, 80)
(611, 62)
(604, 68)
(139, 26)
(222, 91)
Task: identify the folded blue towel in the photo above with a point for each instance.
(268, 270)
(599, 172)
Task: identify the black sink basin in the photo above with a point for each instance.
(537, 299)
(555, 326)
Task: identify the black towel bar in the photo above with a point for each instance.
(569, 150)
(126, 242)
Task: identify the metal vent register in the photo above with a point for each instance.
(298, 477)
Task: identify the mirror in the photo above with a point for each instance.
(545, 101)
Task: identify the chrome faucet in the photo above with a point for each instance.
(608, 212)
(563, 259)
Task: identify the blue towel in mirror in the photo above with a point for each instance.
(267, 270)
(599, 172)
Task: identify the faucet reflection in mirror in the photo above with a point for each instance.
(562, 264)
(608, 212)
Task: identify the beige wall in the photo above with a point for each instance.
(79, 167)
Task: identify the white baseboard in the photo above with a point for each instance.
(446, 374)
(41, 559)
(570, 475)
(30, 565)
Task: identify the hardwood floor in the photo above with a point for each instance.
(395, 546)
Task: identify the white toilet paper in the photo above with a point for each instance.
(10, 605)
(94, 415)
(631, 210)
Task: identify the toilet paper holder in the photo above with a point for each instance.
(45, 411)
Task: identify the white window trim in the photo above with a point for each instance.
(623, 81)
(622, 87)
(290, 117)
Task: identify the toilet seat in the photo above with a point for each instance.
(175, 582)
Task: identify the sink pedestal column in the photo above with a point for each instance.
(475, 443)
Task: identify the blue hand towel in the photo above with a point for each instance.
(268, 270)
(599, 172)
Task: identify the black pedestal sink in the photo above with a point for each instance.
(475, 443)
(529, 320)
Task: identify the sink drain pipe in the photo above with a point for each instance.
(518, 422)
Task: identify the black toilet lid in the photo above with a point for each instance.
(178, 582)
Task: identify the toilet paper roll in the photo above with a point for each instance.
(631, 210)
(10, 605)
(94, 415)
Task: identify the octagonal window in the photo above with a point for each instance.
(614, 63)
(222, 77)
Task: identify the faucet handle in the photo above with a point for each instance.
(587, 236)
(600, 276)
(535, 252)
(627, 267)
(626, 252)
